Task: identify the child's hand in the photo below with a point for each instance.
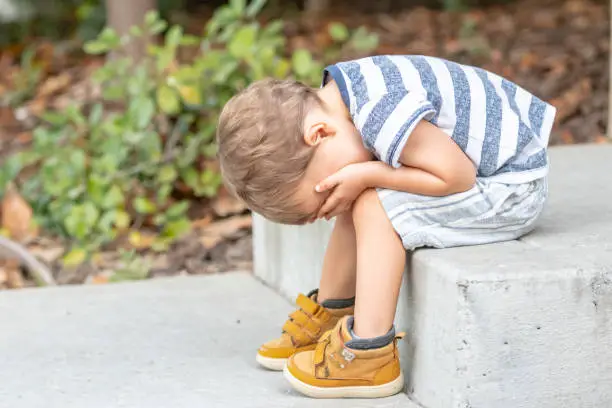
(347, 184)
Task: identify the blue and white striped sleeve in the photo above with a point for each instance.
(386, 123)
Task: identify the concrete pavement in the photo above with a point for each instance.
(168, 343)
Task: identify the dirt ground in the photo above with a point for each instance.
(557, 49)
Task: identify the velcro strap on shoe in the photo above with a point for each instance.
(298, 336)
(306, 304)
(291, 328)
(319, 353)
(300, 318)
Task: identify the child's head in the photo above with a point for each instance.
(278, 139)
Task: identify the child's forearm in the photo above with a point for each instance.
(410, 180)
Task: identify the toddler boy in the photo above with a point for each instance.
(405, 152)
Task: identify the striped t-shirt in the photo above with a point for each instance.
(501, 127)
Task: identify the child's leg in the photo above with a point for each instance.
(380, 265)
(359, 357)
(339, 264)
(336, 296)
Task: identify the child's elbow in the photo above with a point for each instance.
(461, 181)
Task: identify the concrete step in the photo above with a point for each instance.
(524, 324)
(180, 342)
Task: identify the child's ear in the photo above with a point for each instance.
(317, 132)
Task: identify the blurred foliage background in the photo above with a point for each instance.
(108, 108)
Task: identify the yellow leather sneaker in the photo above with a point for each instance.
(335, 370)
(303, 329)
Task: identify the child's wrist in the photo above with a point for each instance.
(371, 172)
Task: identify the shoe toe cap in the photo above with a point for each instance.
(302, 364)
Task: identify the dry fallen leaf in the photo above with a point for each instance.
(11, 273)
(3, 277)
(567, 137)
(54, 84)
(571, 100)
(202, 222)
(225, 204)
(141, 240)
(48, 254)
(602, 139)
(17, 215)
(216, 232)
(99, 279)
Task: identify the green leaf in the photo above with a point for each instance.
(168, 100)
(177, 228)
(282, 68)
(177, 210)
(144, 110)
(167, 174)
(95, 47)
(364, 41)
(242, 42)
(273, 29)
(122, 219)
(113, 198)
(174, 35)
(223, 73)
(158, 27)
(75, 257)
(81, 219)
(96, 188)
(190, 40)
(210, 150)
(95, 115)
(238, 5)
(151, 17)
(113, 92)
(190, 177)
(105, 224)
(55, 118)
(255, 7)
(338, 32)
(144, 206)
(135, 31)
(161, 244)
(134, 137)
(73, 112)
(159, 219)
(165, 58)
(109, 37)
(302, 62)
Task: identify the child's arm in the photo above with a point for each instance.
(432, 165)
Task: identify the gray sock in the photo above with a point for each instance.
(334, 303)
(359, 343)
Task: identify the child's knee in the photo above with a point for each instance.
(367, 205)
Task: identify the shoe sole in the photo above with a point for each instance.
(361, 391)
(274, 364)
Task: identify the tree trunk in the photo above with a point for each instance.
(124, 14)
(610, 79)
(316, 6)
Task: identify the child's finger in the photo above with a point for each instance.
(328, 206)
(342, 208)
(327, 184)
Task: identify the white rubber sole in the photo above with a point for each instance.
(274, 364)
(374, 391)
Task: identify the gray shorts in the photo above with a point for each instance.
(489, 212)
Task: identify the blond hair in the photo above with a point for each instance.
(262, 152)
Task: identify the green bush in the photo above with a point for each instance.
(106, 167)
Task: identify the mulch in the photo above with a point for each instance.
(557, 49)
